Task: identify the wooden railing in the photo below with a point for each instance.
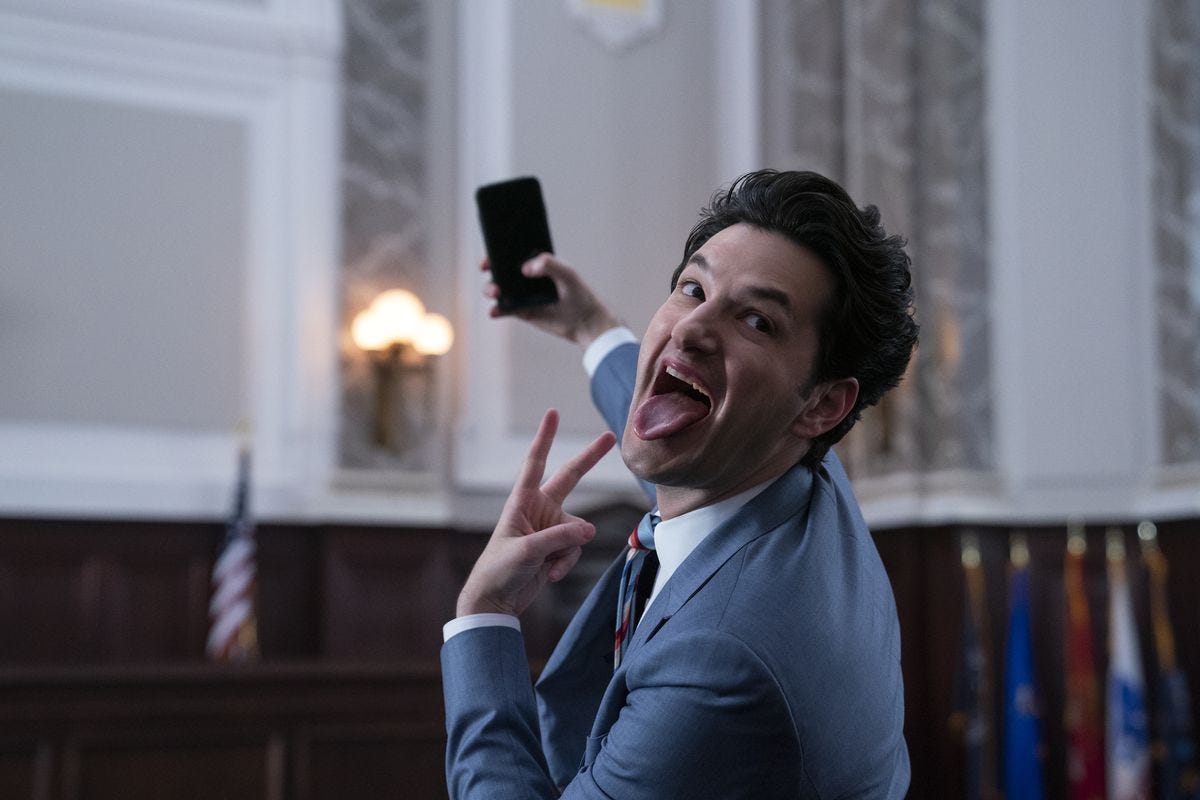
(199, 731)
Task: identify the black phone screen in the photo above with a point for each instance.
(513, 217)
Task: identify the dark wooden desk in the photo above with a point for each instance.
(205, 732)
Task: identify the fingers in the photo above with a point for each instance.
(563, 482)
(554, 545)
(562, 563)
(535, 461)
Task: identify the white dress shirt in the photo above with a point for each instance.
(676, 538)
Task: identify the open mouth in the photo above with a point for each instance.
(671, 381)
(675, 403)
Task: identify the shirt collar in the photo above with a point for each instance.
(676, 538)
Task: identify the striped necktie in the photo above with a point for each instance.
(641, 549)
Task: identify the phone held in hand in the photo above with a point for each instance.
(513, 217)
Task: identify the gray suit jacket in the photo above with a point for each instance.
(768, 667)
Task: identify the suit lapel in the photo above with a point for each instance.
(579, 671)
(785, 498)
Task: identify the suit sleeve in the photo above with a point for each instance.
(493, 747)
(702, 718)
(612, 392)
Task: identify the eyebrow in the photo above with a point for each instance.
(760, 292)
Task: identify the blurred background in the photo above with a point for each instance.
(255, 422)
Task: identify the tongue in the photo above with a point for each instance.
(666, 415)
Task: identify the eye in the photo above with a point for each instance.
(758, 322)
(691, 289)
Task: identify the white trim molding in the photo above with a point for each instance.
(487, 450)
(273, 69)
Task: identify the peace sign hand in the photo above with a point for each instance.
(535, 541)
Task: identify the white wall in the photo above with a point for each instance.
(1071, 262)
(628, 145)
(138, 418)
(170, 216)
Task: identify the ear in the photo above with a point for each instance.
(827, 405)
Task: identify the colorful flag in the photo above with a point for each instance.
(1128, 757)
(1174, 746)
(1081, 713)
(1022, 728)
(233, 624)
(973, 719)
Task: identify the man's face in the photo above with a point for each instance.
(722, 393)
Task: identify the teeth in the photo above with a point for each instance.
(674, 374)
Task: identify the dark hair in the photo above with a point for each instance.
(868, 331)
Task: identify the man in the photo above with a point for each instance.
(766, 661)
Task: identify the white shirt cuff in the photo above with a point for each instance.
(472, 621)
(604, 344)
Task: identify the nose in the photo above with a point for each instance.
(696, 330)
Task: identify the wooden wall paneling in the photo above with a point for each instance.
(463, 551)
(1180, 542)
(75, 592)
(204, 731)
(925, 570)
(383, 594)
(179, 761)
(41, 597)
(91, 649)
(942, 588)
(898, 551)
(290, 592)
(439, 587)
(26, 766)
(403, 758)
(382, 734)
(152, 580)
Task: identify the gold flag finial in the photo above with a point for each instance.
(1076, 537)
(1018, 550)
(1114, 545)
(969, 543)
(1147, 533)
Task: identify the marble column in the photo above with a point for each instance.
(1176, 116)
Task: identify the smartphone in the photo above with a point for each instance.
(513, 217)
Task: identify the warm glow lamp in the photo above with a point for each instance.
(434, 337)
(398, 335)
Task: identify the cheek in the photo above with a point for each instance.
(658, 334)
(660, 324)
(770, 395)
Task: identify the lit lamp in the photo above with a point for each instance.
(398, 336)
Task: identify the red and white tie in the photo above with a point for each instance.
(629, 598)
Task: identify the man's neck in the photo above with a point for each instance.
(675, 501)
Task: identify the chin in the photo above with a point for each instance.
(653, 462)
(636, 462)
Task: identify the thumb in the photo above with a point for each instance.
(547, 265)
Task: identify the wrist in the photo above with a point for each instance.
(468, 605)
(593, 325)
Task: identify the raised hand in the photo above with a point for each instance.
(578, 316)
(535, 541)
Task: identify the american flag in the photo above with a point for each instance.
(233, 624)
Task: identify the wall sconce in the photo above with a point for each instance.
(398, 335)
